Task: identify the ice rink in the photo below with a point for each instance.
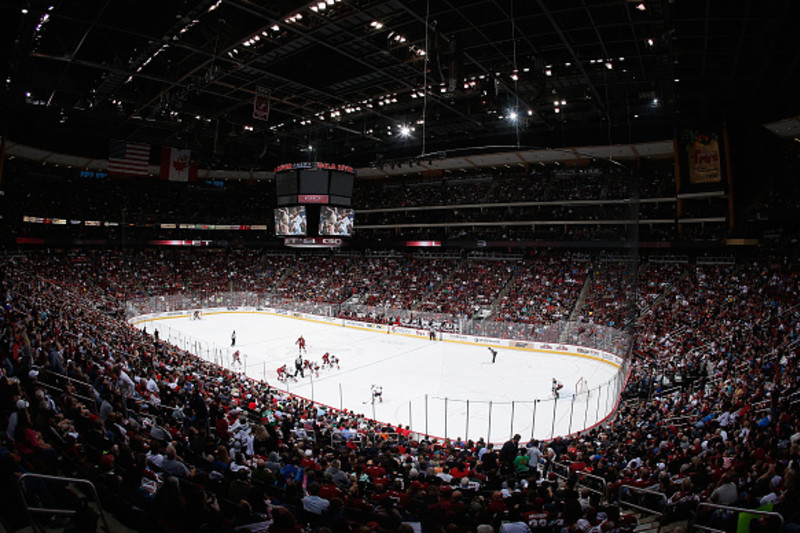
(442, 388)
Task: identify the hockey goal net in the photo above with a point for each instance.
(581, 387)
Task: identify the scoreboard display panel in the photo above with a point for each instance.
(291, 221)
(336, 221)
(313, 182)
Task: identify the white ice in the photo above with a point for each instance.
(440, 388)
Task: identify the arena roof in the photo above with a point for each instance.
(347, 77)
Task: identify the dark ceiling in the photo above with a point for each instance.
(346, 76)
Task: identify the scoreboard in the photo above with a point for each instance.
(324, 192)
(314, 183)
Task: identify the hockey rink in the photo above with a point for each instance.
(440, 388)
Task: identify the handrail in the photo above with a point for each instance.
(92, 402)
(60, 479)
(771, 514)
(584, 474)
(631, 489)
(68, 378)
(602, 481)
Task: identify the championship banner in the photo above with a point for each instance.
(702, 155)
(261, 104)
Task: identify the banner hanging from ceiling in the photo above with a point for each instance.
(700, 154)
(261, 104)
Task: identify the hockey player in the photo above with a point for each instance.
(196, 315)
(237, 360)
(334, 361)
(301, 344)
(309, 365)
(377, 393)
(557, 386)
(326, 360)
(494, 353)
(282, 374)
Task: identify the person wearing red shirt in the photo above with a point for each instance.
(308, 462)
(537, 518)
(460, 470)
(374, 471)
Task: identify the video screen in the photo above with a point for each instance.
(313, 182)
(286, 183)
(336, 221)
(342, 184)
(291, 221)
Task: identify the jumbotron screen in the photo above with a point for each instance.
(291, 221)
(336, 221)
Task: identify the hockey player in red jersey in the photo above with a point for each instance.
(282, 374)
(301, 344)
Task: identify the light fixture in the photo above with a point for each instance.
(641, 6)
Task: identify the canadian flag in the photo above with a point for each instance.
(177, 165)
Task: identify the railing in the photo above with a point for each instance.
(590, 482)
(644, 496)
(739, 511)
(28, 483)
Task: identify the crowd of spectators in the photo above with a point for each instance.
(471, 287)
(178, 444)
(544, 292)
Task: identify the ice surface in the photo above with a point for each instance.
(441, 388)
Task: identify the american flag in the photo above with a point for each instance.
(127, 158)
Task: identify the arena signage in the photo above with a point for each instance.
(313, 242)
(306, 165)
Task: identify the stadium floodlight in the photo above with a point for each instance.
(405, 131)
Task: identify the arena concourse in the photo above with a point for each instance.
(510, 191)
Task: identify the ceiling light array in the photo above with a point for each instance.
(320, 7)
(261, 37)
(175, 37)
(395, 39)
(43, 20)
